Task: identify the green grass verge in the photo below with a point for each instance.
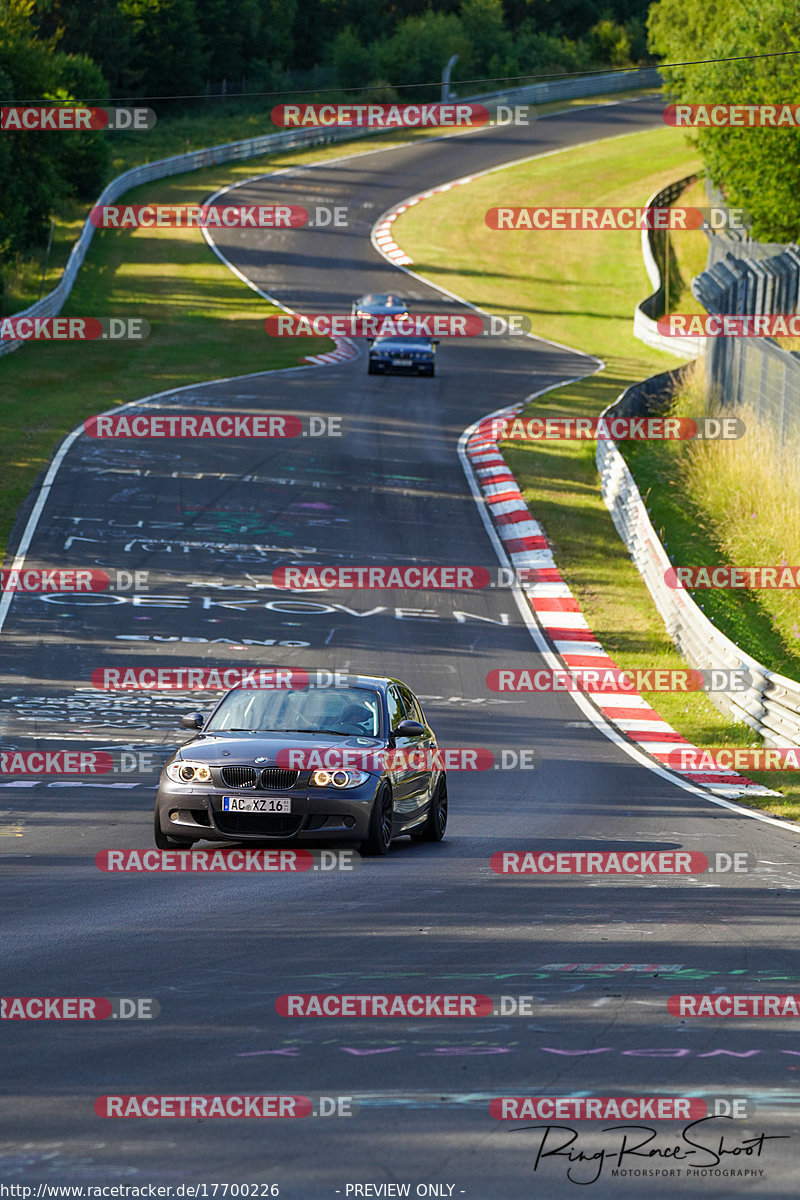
(580, 288)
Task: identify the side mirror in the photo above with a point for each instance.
(408, 728)
(193, 721)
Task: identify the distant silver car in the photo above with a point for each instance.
(379, 305)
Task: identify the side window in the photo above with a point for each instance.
(412, 708)
(395, 705)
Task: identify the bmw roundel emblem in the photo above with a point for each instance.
(262, 759)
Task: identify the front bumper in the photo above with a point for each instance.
(317, 814)
(422, 366)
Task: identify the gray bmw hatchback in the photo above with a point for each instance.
(351, 762)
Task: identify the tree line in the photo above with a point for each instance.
(756, 168)
(183, 47)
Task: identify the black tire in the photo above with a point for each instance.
(436, 821)
(371, 370)
(164, 841)
(379, 835)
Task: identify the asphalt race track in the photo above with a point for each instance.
(209, 521)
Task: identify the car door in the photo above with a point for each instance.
(402, 775)
(419, 782)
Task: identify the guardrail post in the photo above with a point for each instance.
(447, 94)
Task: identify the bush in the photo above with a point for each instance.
(757, 168)
(83, 158)
(491, 46)
(418, 52)
(351, 61)
(544, 54)
(610, 44)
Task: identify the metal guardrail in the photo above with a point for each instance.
(646, 313)
(575, 89)
(51, 304)
(770, 705)
(733, 243)
(735, 284)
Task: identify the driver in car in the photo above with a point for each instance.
(357, 719)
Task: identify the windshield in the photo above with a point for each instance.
(384, 302)
(351, 712)
(401, 343)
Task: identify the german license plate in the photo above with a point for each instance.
(257, 804)
(402, 362)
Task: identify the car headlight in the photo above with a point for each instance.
(183, 771)
(338, 778)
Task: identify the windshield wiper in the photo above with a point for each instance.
(335, 732)
(311, 731)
